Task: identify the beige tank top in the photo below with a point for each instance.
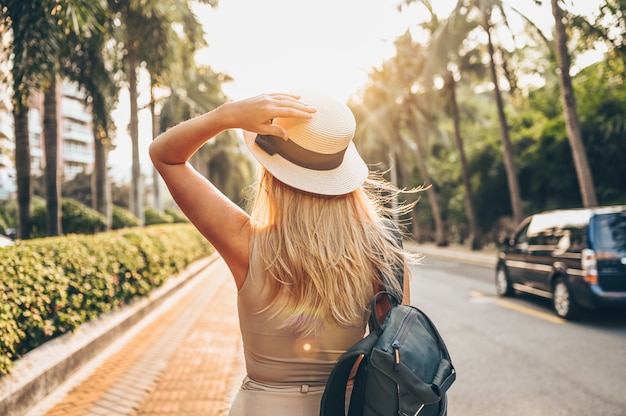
(278, 356)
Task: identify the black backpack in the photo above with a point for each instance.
(406, 368)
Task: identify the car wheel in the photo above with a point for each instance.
(503, 283)
(564, 304)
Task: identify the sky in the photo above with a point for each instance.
(329, 45)
(277, 45)
(274, 45)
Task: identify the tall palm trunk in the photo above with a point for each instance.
(99, 180)
(474, 233)
(507, 148)
(51, 173)
(155, 132)
(22, 168)
(415, 227)
(583, 172)
(135, 184)
(433, 201)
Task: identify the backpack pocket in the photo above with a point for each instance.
(411, 353)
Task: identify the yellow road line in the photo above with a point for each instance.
(529, 311)
(523, 309)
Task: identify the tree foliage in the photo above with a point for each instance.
(406, 119)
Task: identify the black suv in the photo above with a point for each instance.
(575, 257)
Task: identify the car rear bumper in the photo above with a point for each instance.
(592, 296)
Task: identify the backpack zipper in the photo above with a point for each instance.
(402, 333)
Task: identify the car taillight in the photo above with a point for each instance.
(589, 266)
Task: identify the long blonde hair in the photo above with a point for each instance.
(326, 255)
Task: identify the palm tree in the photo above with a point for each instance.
(486, 8)
(170, 57)
(463, 11)
(474, 232)
(21, 17)
(33, 59)
(581, 164)
(446, 60)
(139, 20)
(417, 127)
(133, 127)
(156, 121)
(51, 148)
(38, 28)
(91, 62)
(395, 109)
(79, 20)
(22, 169)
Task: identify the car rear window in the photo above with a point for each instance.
(610, 231)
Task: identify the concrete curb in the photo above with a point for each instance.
(461, 254)
(42, 370)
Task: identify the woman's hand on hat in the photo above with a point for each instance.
(256, 114)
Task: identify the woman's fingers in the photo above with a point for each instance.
(290, 101)
(282, 96)
(256, 114)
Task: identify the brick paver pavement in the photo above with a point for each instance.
(187, 361)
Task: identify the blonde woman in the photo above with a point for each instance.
(311, 254)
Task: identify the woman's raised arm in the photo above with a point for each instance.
(220, 220)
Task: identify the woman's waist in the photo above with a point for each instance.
(251, 384)
(292, 371)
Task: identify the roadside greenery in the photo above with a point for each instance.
(543, 157)
(52, 285)
(78, 218)
(473, 106)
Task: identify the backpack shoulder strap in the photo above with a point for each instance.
(334, 398)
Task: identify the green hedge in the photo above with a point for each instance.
(50, 286)
(153, 217)
(76, 218)
(167, 216)
(122, 218)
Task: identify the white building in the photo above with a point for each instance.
(35, 135)
(76, 147)
(7, 151)
(77, 141)
(7, 143)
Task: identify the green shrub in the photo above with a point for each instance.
(3, 225)
(80, 219)
(76, 218)
(153, 217)
(177, 215)
(8, 212)
(52, 285)
(122, 218)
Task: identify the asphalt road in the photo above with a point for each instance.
(514, 356)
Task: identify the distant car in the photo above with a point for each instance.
(5, 241)
(576, 258)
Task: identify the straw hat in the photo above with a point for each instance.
(319, 156)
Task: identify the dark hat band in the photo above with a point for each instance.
(298, 155)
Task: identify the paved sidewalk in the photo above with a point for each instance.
(186, 357)
(186, 361)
